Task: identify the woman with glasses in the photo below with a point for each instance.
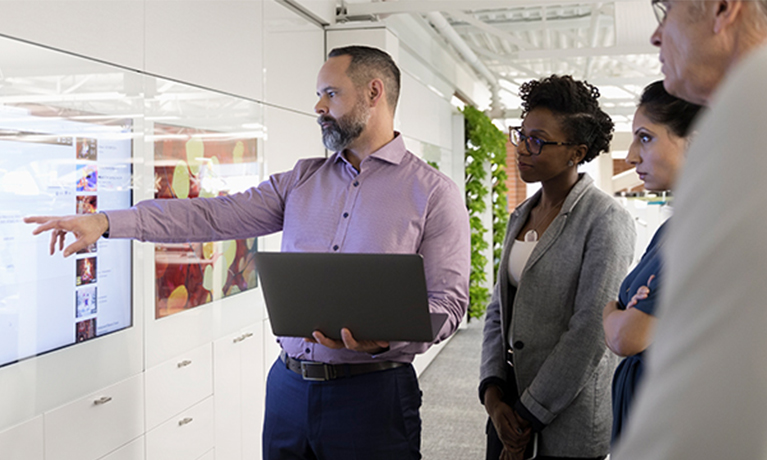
(546, 372)
(661, 135)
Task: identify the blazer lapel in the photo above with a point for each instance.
(558, 224)
(516, 222)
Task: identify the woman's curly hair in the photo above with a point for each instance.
(575, 104)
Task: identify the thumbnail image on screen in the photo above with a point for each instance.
(57, 165)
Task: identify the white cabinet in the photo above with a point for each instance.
(23, 442)
(187, 436)
(239, 389)
(98, 424)
(211, 455)
(178, 384)
(132, 451)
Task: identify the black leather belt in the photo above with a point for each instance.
(321, 372)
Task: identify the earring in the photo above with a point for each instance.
(570, 163)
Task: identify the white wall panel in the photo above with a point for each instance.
(425, 115)
(294, 51)
(216, 44)
(290, 137)
(111, 31)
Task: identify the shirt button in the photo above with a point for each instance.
(335, 248)
(308, 350)
(356, 183)
(519, 345)
(346, 214)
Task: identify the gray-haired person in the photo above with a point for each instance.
(706, 378)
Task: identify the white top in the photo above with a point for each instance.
(518, 256)
(704, 394)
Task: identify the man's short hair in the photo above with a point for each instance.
(368, 63)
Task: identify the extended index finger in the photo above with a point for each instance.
(46, 223)
(38, 219)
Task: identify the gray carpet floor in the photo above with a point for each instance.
(453, 419)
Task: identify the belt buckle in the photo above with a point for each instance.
(308, 366)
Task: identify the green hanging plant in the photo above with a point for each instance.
(485, 143)
(500, 203)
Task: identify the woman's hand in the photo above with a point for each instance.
(629, 331)
(641, 293)
(513, 431)
(512, 454)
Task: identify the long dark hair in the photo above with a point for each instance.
(667, 110)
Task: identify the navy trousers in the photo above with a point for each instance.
(365, 417)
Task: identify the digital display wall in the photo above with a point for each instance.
(58, 165)
(191, 163)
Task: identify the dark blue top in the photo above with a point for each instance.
(629, 372)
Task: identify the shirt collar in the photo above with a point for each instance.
(393, 152)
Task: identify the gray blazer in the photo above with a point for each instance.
(563, 369)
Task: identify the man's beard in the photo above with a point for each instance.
(343, 131)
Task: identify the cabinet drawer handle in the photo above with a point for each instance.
(185, 421)
(102, 400)
(239, 339)
(184, 363)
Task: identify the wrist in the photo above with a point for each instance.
(493, 394)
(381, 350)
(103, 224)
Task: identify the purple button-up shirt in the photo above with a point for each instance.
(396, 203)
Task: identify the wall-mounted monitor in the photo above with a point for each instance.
(79, 136)
(60, 162)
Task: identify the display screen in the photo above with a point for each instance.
(60, 165)
(191, 163)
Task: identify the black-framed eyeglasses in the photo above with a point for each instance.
(660, 8)
(533, 144)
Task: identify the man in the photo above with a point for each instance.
(371, 196)
(705, 395)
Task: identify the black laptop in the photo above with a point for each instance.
(375, 296)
